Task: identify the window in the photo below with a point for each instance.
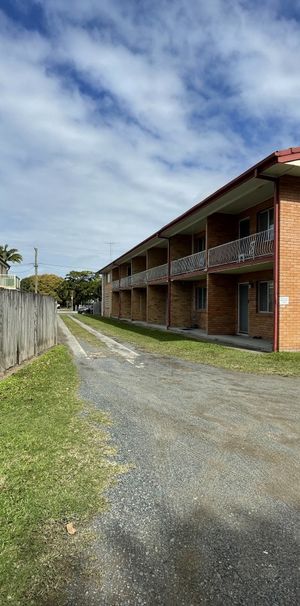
(200, 298)
(108, 278)
(266, 220)
(266, 297)
(200, 244)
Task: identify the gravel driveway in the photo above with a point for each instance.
(208, 512)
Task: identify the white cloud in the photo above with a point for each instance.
(184, 98)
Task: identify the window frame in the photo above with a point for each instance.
(201, 302)
(262, 212)
(270, 300)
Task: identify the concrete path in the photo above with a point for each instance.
(208, 512)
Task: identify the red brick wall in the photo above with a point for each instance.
(221, 304)
(115, 273)
(156, 256)
(289, 266)
(139, 304)
(115, 304)
(180, 246)
(124, 270)
(221, 228)
(157, 304)
(107, 297)
(125, 304)
(181, 304)
(138, 264)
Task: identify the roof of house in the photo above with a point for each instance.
(273, 166)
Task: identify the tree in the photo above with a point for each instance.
(10, 255)
(48, 284)
(85, 285)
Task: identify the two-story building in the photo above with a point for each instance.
(228, 266)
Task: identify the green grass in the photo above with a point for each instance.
(171, 344)
(81, 333)
(56, 462)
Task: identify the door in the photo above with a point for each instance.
(243, 308)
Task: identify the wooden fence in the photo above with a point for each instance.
(28, 326)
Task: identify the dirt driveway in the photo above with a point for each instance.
(208, 512)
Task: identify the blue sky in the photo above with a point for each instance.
(117, 116)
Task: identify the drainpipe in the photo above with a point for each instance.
(275, 180)
(169, 282)
(119, 296)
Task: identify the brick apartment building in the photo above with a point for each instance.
(228, 266)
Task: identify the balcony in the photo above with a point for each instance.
(125, 282)
(139, 279)
(189, 264)
(157, 273)
(12, 282)
(245, 249)
(115, 285)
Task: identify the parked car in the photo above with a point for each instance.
(85, 309)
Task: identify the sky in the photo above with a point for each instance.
(116, 116)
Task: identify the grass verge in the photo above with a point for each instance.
(171, 344)
(81, 333)
(56, 462)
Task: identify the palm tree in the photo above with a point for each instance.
(10, 255)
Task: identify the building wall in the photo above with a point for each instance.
(125, 304)
(107, 297)
(124, 270)
(289, 249)
(181, 304)
(115, 304)
(221, 304)
(156, 256)
(139, 304)
(180, 246)
(157, 304)
(115, 274)
(138, 264)
(221, 228)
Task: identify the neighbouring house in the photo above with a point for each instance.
(228, 266)
(7, 281)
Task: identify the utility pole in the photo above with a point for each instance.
(36, 270)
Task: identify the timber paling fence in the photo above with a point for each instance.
(28, 326)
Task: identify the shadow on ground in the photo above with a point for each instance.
(204, 561)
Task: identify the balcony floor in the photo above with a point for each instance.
(238, 341)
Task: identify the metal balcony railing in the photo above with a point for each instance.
(10, 282)
(156, 273)
(125, 282)
(238, 251)
(189, 264)
(115, 284)
(139, 279)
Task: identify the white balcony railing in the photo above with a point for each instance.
(238, 251)
(10, 282)
(189, 264)
(115, 284)
(156, 273)
(139, 279)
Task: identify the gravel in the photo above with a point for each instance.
(207, 513)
